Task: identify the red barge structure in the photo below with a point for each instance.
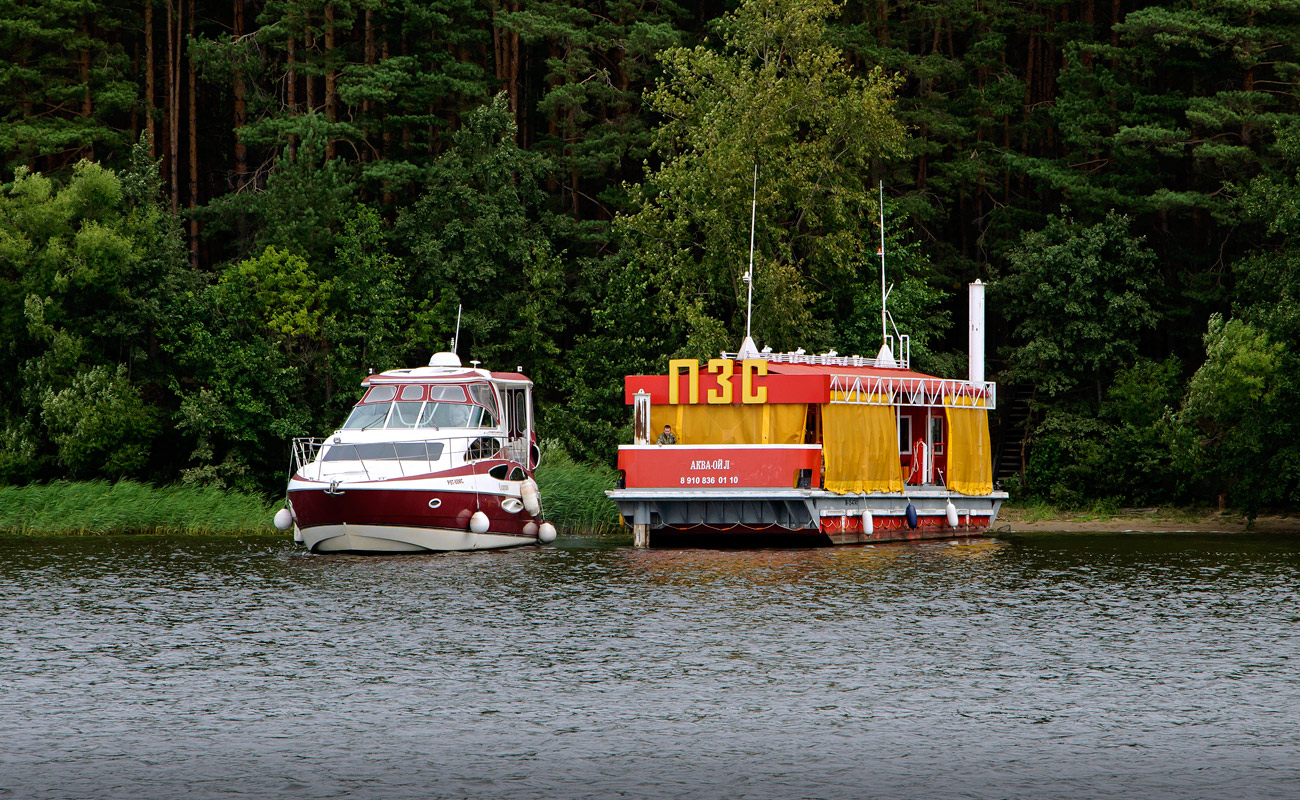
(813, 449)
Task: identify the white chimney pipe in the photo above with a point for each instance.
(976, 341)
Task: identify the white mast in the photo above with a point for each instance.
(747, 348)
(749, 276)
(455, 340)
(884, 325)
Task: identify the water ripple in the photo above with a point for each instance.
(1080, 666)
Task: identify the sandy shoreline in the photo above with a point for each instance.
(1153, 520)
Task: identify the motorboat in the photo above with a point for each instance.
(433, 458)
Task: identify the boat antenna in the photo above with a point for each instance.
(749, 276)
(884, 294)
(455, 340)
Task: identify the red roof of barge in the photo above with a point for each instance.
(812, 383)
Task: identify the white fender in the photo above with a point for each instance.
(284, 519)
(868, 522)
(951, 511)
(478, 523)
(530, 528)
(546, 533)
(532, 500)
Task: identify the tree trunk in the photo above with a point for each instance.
(241, 103)
(173, 143)
(369, 53)
(291, 92)
(150, 125)
(330, 99)
(194, 148)
(84, 66)
(307, 76)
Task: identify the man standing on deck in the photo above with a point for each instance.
(667, 436)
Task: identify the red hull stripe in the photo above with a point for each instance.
(403, 508)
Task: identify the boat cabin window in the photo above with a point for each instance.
(482, 394)
(412, 392)
(450, 394)
(936, 434)
(385, 451)
(904, 434)
(380, 394)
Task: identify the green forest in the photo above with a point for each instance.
(217, 217)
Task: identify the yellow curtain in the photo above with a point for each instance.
(970, 456)
(772, 423)
(860, 448)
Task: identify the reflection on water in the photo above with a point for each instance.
(1074, 665)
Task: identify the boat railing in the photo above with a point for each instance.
(902, 359)
(403, 458)
(878, 390)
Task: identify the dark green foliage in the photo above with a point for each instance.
(1082, 300)
(91, 274)
(481, 235)
(1122, 172)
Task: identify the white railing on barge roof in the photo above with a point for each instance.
(902, 360)
(879, 390)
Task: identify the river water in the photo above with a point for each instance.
(1053, 666)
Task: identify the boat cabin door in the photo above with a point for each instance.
(517, 409)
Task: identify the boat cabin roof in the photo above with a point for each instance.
(443, 375)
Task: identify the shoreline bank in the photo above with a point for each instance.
(1143, 520)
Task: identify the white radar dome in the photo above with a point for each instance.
(444, 359)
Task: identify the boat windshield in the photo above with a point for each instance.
(405, 415)
(448, 406)
(367, 416)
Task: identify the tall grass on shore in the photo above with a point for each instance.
(573, 499)
(130, 507)
(573, 494)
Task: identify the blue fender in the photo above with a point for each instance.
(911, 516)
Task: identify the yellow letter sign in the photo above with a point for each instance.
(692, 379)
(749, 368)
(724, 367)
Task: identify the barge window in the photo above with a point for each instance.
(936, 434)
(380, 394)
(366, 416)
(412, 393)
(405, 415)
(904, 434)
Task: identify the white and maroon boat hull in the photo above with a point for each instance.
(406, 516)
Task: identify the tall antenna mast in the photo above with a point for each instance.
(455, 341)
(884, 294)
(749, 276)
